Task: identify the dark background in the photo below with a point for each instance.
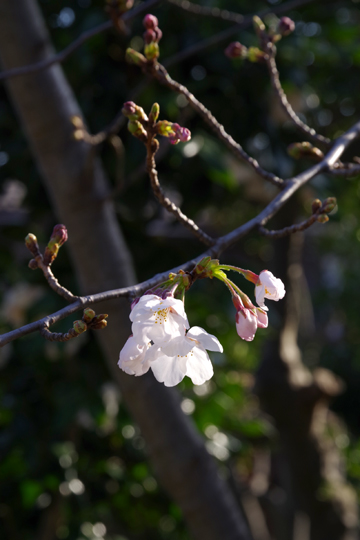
(65, 433)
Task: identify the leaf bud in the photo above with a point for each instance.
(134, 57)
(201, 265)
(258, 24)
(50, 253)
(323, 218)
(88, 315)
(99, 318)
(136, 129)
(304, 149)
(152, 51)
(99, 326)
(255, 54)
(79, 327)
(329, 204)
(154, 113)
(316, 205)
(285, 26)
(32, 244)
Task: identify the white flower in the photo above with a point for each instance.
(270, 287)
(185, 356)
(133, 358)
(156, 319)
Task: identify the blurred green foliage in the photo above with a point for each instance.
(67, 442)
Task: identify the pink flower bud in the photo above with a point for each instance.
(150, 21)
(248, 318)
(59, 234)
(286, 26)
(183, 134)
(158, 34)
(129, 109)
(149, 36)
(236, 50)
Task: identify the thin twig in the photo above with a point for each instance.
(62, 55)
(52, 281)
(276, 84)
(159, 72)
(291, 186)
(151, 148)
(286, 231)
(229, 32)
(344, 169)
(57, 336)
(115, 125)
(215, 12)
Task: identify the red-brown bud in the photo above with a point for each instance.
(316, 205)
(323, 218)
(99, 318)
(286, 26)
(99, 326)
(33, 264)
(149, 36)
(236, 50)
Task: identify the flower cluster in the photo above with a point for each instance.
(161, 338)
(162, 341)
(143, 126)
(248, 317)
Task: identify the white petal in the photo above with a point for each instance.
(169, 370)
(208, 341)
(144, 305)
(260, 295)
(178, 346)
(199, 366)
(133, 358)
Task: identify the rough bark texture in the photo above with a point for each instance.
(76, 185)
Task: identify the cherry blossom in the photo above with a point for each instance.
(268, 286)
(248, 317)
(185, 356)
(158, 319)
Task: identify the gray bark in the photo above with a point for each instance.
(76, 184)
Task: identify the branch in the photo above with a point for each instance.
(320, 212)
(159, 72)
(344, 169)
(151, 148)
(62, 55)
(229, 32)
(53, 282)
(276, 84)
(223, 14)
(291, 186)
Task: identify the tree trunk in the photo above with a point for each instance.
(76, 185)
(298, 401)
